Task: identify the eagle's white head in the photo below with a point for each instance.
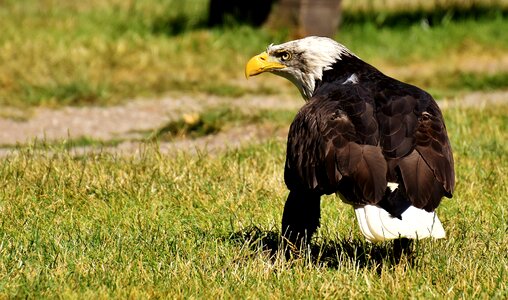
(301, 61)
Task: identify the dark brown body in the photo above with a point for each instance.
(353, 137)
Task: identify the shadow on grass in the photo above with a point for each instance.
(330, 253)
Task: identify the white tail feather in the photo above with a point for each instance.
(378, 225)
(362, 221)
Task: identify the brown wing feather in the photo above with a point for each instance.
(354, 139)
(325, 146)
(370, 173)
(433, 145)
(422, 188)
(397, 123)
(415, 142)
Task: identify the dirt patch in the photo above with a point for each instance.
(131, 122)
(125, 122)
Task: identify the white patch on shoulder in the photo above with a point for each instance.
(353, 79)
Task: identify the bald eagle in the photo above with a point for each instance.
(379, 143)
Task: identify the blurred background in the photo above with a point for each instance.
(60, 52)
(184, 61)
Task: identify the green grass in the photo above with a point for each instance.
(218, 119)
(64, 144)
(204, 225)
(57, 52)
(418, 42)
(402, 13)
(475, 82)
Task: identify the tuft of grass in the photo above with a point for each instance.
(196, 125)
(217, 119)
(207, 226)
(86, 141)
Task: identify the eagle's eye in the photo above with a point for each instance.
(284, 56)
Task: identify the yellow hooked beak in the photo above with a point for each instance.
(261, 63)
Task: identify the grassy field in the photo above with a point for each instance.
(57, 52)
(205, 225)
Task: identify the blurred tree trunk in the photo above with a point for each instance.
(306, 17)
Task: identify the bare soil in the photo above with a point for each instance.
(128, 122)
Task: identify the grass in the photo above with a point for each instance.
(204, 226)
(207, 225)
(64, 144)
(218, 119)
(56, 52)
(474, 82)
(402, 13)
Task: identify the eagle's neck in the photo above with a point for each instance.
(306, 83)
(348, 71)
(318, 70)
